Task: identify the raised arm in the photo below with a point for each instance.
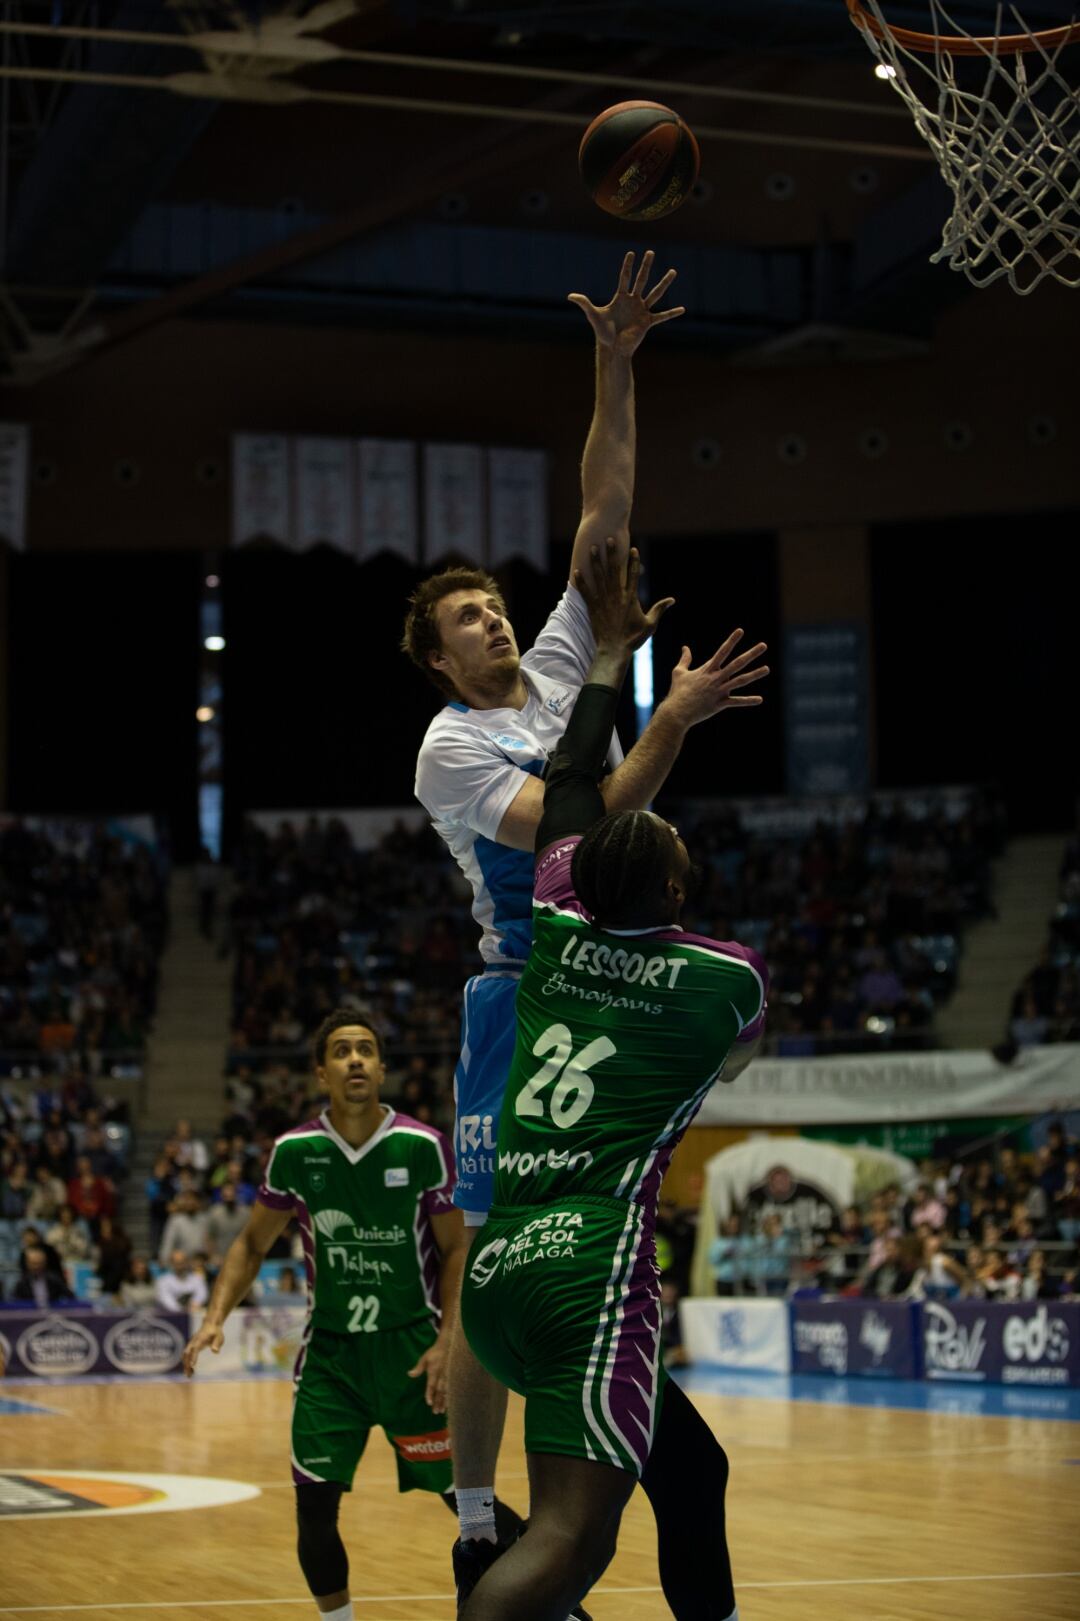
(607, 467)
(695, 695)
(572, 798)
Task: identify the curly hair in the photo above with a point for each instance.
(621, 868)
(341, 1018)
(421, 635)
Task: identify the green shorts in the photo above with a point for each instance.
(562, 1303)
(345, 1383)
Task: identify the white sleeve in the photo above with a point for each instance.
(462, 778)
(564, 648)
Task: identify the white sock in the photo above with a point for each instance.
(345, 1613)
(476, 1513)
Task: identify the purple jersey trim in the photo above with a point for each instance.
(552, 883)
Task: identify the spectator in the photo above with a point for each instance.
(1037, 1283)
(927, 1209)
(1029, 1028)
(160, 1191)
(897, 1272)
(182, 1287)
(1067, 1202)
(186, 1229)
(999, 1277)
(114, 1254)
(843, 1242)
(91, 1196)
(31, 1239)
(726, 1256)
(188, 1150)
(47, 1197)
(769, 1261)
(70, 1237)
(41, 1284)
(15, 1191)
(137, 1288)
(940, 1277)
(226, 1220)
(882, 1230)
(95, 1148)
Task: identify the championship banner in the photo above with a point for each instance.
(453, 503)
(871, 1339)
(259, 1339)
(743, 1334)
(896, 1087)
(14, 465)
(63, 1344)
(1027, 1342)
(260, 487)
(388, 517)
(323, 480)
(825, 709)
(807, 1184)
(517, 501)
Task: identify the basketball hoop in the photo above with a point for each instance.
(1003, 122)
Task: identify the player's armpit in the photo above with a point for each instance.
(522, 816)
(739, 1056)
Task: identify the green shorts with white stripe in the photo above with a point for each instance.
(562, 1303)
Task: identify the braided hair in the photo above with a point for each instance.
(621, 869)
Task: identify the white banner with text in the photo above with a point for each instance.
(896, 1086)
(744, 1334)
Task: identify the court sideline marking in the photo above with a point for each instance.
(600, 1592)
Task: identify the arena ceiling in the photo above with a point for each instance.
(414, 161)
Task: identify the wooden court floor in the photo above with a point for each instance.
(835, 1512)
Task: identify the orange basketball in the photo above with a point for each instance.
(638, 160)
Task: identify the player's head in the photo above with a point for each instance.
(457, 632)
(348, 1058)
(632, 871)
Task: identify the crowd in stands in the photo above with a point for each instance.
(317, 923)
(63, 1166)
(82, 925)
(1046, 1005)
(860, 920)
(1004, 1230)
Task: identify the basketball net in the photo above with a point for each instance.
(1005, 129)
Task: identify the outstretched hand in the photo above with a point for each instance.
(622, 324)
(610, 589)
(698, 694)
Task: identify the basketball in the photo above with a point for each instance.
(638, 160)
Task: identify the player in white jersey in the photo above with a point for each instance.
(479, 775)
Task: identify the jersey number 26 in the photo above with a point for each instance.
(574, 1092)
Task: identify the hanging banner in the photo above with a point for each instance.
(14, 474)
(260, 487)
(323, 480)
(872, 1339)
(517, 501)
(825, 709)
(453, 503)
(896, 1086)
(388, 518)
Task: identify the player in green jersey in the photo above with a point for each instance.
(624, 1022)
(383, 1250)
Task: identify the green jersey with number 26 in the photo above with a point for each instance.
(619, 1038)
(365, 1219)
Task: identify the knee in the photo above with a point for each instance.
(318, 1545)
